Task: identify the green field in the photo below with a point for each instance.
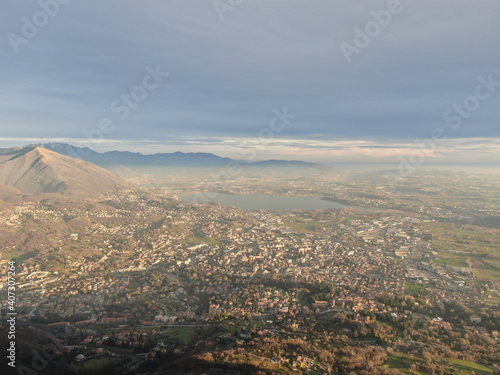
(300, 225)
(451, 259)
(467, 367)
(487, 274)
(403, 361)
(467, 246)
(99, 364)
(229, 328)
(412, 287)
(183, 336)
(199, 238)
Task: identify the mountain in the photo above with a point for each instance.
(128, 158)
(177, 159)
(36, 170)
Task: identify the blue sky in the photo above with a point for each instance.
(230, 66)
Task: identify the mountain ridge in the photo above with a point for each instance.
(178, 158)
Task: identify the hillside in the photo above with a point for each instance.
(36, 170)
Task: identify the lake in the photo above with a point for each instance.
(267, 202)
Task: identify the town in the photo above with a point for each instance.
(143, 272)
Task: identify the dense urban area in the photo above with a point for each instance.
(141, 282)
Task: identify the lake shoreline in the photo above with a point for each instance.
(250, 202)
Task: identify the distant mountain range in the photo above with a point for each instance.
(78, 172)
(175, 159)
(37, 170)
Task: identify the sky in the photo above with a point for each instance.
(320, 80)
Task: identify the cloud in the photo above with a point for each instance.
(226, 77)
(333, 151)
